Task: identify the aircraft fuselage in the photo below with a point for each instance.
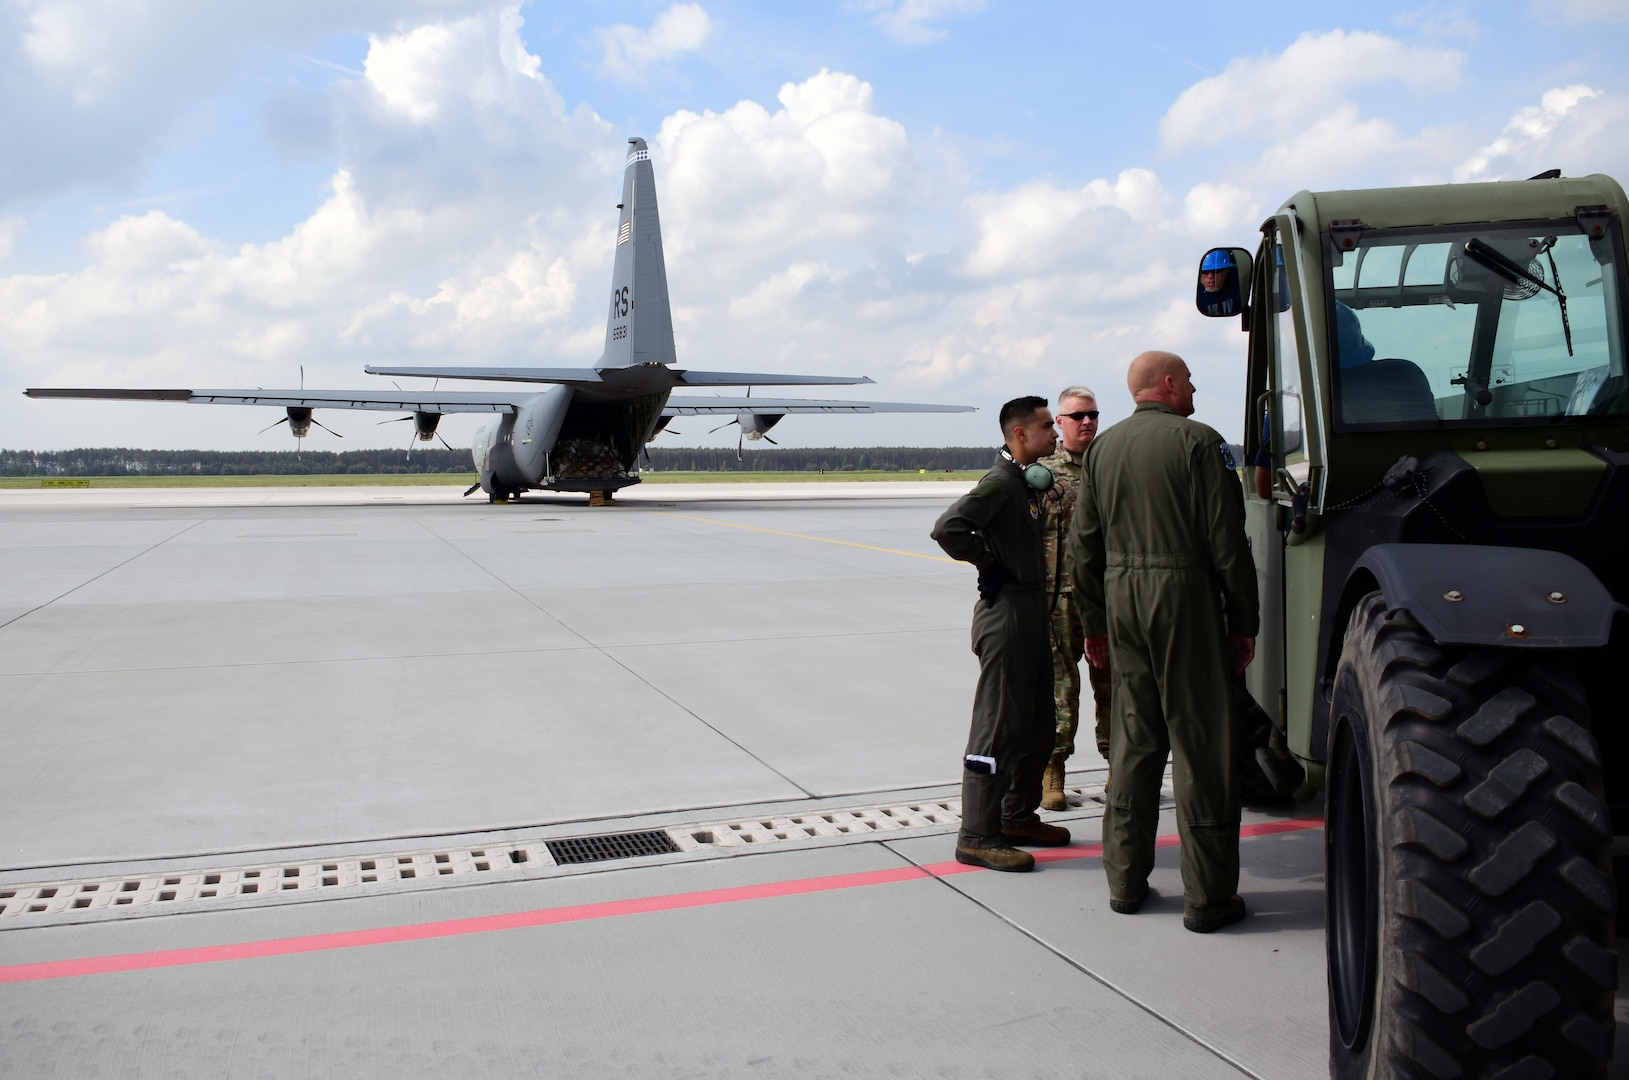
(566, 439)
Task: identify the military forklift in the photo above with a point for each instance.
(1437, 498)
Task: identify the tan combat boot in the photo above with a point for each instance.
(1034, 833)
(1052, 796)
(998, 855)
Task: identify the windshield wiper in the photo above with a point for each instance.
(1513, 272)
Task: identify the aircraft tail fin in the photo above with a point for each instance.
(639, 327)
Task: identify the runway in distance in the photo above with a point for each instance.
(586, 432)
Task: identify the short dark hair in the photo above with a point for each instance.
(1018, 411)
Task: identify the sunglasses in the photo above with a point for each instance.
(1078, 417)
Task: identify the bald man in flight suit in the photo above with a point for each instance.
(1166, 588)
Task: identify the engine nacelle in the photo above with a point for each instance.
(424, 425)
(299, 421)
(756, 425)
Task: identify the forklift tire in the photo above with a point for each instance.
(1468, 887)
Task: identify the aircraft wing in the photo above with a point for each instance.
(456, 401)
(715, 405)
(428, 401)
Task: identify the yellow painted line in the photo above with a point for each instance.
(821, 539)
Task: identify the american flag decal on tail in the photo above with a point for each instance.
(624, 233)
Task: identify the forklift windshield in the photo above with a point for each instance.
(1486, 325)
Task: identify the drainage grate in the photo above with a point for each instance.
(628, 845)
(827, 824)
(152, 893)
(266, 880)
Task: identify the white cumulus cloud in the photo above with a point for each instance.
(1213, 207)
(626, 51)
(450, 231)
(1039, 224)
(822, 171)
(93, 89)
(1275, 96)
(910, 21)
(1533, 133)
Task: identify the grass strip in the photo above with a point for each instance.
(463, 479)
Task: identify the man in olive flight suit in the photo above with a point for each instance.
(1077, 424)
(1166, 588)
(997, 528)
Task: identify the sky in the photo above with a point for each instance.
(965, 200)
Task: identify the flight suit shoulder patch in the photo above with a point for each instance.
(1227, 456)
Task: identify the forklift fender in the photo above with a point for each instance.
(1463, 594)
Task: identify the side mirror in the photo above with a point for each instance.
(1224, 274)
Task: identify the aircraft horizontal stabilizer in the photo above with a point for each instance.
(435, 401)
(716, 405)
(589, 377)
(763, 378)
(565, 376)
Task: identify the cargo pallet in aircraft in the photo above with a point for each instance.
(585, 433)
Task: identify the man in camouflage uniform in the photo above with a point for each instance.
(997, 528)
(1077, 423)
(1165, 583)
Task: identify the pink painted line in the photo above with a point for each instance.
(486, 924)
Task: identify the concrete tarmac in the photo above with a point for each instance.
(293, 779)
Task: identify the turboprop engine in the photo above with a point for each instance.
(756, 426)
(299, 418)
(753, 426)
(424, 428)
(424, 425)
(299, 421)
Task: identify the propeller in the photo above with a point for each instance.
(419, 433)
(740, 440)
(424, 424)
(299, 421)
(761, 423)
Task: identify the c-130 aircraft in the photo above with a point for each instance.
(586, 432)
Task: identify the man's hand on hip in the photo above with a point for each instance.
(991, 579)
(1242, 649)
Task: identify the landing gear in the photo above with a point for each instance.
(1468, 854)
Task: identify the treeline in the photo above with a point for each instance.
(827, 458)
(121, 461)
